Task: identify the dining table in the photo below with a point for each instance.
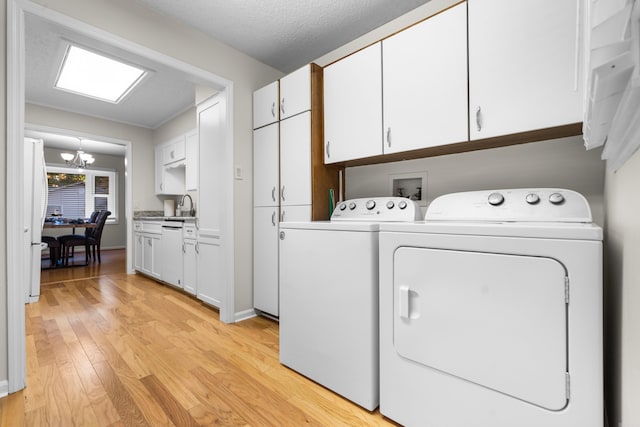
(60, 223)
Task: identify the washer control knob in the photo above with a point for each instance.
(390, 204)
(532, 199)
(352, 205)
(496, 199)
(556, 198)
(342, 206)
(402, 204)
(370, 204)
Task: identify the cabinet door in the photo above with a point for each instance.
(191, 167)
(295, 160)
(265, 259)
(159, 168)
(353, 106)
(425, 83)
(524, 66)
(265, 105)
(171, 256)
(147, 254)
(139, 247)
(156, 256)
(295, 92)
(211, 194)
(190, 266)
(209, 277)
(266, 161)
(174, 150)
(295, 213)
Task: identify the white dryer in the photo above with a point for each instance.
(329, 295)
(491, 312)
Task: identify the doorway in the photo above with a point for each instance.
(16, 10)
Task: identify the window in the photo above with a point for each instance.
(75, 193)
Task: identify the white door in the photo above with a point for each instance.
(210, 273)
(524, 65)
(499, 322)
(171, 256)
(265, 105)
(425, 83)
(265, 259)
(295, 92)
(266, 166)
(190, 266)
(295, 160)
(353, 106)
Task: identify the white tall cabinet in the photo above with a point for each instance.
(211, 271)
(525, 65)
(288, 158)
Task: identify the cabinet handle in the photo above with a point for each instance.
(282, 217)
(282, 193)
(273, 193)
(479, 119)
(327, 149)
(173, 154)
(389, 137)
(197, 247)
(273, 109)
(184, 251)
(273, 218)
(282, 106)
(161, 187)
(149, 242)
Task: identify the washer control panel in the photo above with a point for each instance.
(520, 204)
(383, 209)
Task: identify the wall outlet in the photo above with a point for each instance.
(238, 172)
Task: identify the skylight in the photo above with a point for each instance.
(96, 76)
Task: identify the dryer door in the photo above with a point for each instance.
(499, 321)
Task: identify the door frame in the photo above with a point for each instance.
(16, 10)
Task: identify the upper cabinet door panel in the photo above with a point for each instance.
(266, 187)
(295, 160)
(524, 65)
(353, 106)
(295, 92)
(265, 105)
(425, 83)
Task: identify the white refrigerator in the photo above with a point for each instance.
(35, 200)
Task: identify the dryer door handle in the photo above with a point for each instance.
(403, 302)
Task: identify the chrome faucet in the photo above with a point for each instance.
(192, 211)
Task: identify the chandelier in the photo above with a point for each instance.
(78, 160)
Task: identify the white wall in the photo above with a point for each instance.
(181, 124)
(562, 163)
(622, 294)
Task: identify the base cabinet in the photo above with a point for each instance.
(209, 266)
(147, 256)
(265, 260)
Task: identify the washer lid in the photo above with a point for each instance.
(517, 205)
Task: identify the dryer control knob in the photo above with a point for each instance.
(556, 198)
(352, 205)
(496, 199)
(342, 206)
(370, 204)
(390, 204)
(402, 204)
(532, 198)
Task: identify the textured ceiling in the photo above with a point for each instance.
(285, 34)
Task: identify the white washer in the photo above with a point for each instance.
(329, 296)
(491, 312)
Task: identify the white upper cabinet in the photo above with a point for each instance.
(265, 105)
(295, 92)
(425, 83)
(266, 183)
(174, 150)
(353, 106)
(524, 65)
(295, 160)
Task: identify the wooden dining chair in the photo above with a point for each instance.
(94, 239)
(54, 249)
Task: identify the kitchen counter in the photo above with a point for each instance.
(158, 216)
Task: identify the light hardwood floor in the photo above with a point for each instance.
(111, 349)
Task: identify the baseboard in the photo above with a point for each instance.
(244, 315)
(4, 388)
